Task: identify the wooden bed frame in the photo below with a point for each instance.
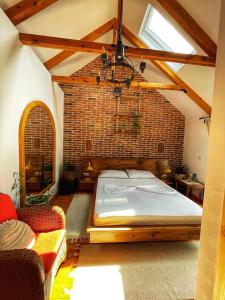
(118, 234)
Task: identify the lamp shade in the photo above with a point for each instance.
(89, 167)
(167, 170)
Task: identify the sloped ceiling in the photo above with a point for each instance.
(76, 18)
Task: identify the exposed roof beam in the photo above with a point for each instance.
(120, 19)
(120, 10)
(183, 18)
(60, 57)
(169, 73)
(93, 47)
(115, 24)
(26, 9)
(134, 84)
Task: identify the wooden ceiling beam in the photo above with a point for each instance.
(26, 9)
(93, 47)
(134, 84)
(182, 17)
(169, 73)
(92, 36)
(119, 18)
(115, 25)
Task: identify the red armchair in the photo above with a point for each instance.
(28, 274)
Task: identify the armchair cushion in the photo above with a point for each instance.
(43, 218)
(7, 209)
(15, 234)
(47, 245)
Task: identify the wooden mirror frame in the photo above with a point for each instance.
(23, 122)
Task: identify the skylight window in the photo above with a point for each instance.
(159, 34)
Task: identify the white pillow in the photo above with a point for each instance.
(139, 173)
(16, 234)
(113, 174)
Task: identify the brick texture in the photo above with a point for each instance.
(96, 124)
(39, 135)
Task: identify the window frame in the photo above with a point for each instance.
(155, 42)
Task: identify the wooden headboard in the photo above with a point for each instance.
(99, 164)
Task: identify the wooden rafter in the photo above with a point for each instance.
(120, 10)
(119, 19)
(169, 73)
(183, 18)
(93, 47)
(115, 24)
(26, 9)
(134, 84)
(60, 57)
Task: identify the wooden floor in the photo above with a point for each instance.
(62, 201)
(64, 279)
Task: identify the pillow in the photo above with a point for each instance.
(7, 209)
(139, 174)
(113, 174)
(16, 234)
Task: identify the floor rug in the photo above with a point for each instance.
(77, 217)
(136, 271)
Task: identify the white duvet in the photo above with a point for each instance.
(142, 202)
(154, 188)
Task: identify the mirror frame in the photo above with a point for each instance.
(23, 122)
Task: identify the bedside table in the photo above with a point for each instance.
(86, 185)
(168, 181)
(188, 186)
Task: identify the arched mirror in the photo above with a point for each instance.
(37, 150)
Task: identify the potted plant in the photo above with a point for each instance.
(38, 199)
(16, 186)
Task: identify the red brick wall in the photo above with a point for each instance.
(90, 123)
(39, 134)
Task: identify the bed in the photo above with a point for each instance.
(141, 209)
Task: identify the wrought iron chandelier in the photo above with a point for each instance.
(118, 70)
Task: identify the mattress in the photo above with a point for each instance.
(142, 202)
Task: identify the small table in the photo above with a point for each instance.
(189, 186)
(86, 184)
(168, 181)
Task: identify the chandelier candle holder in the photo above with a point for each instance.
(118, 70)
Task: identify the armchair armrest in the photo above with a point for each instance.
(43, 218)
(22, 275)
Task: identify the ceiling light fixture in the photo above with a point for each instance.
(118, 70)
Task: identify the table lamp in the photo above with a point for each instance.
(89, 169)
(166, 172)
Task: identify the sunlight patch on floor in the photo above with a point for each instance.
(95, 283)
(63, 282)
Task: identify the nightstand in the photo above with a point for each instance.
(168, 181)
(86, 185)
(188, 186)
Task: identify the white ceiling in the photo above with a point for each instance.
(76, 18)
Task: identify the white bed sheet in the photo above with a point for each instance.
(134, 206)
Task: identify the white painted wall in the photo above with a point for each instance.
(23, 79)
(196, 147)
